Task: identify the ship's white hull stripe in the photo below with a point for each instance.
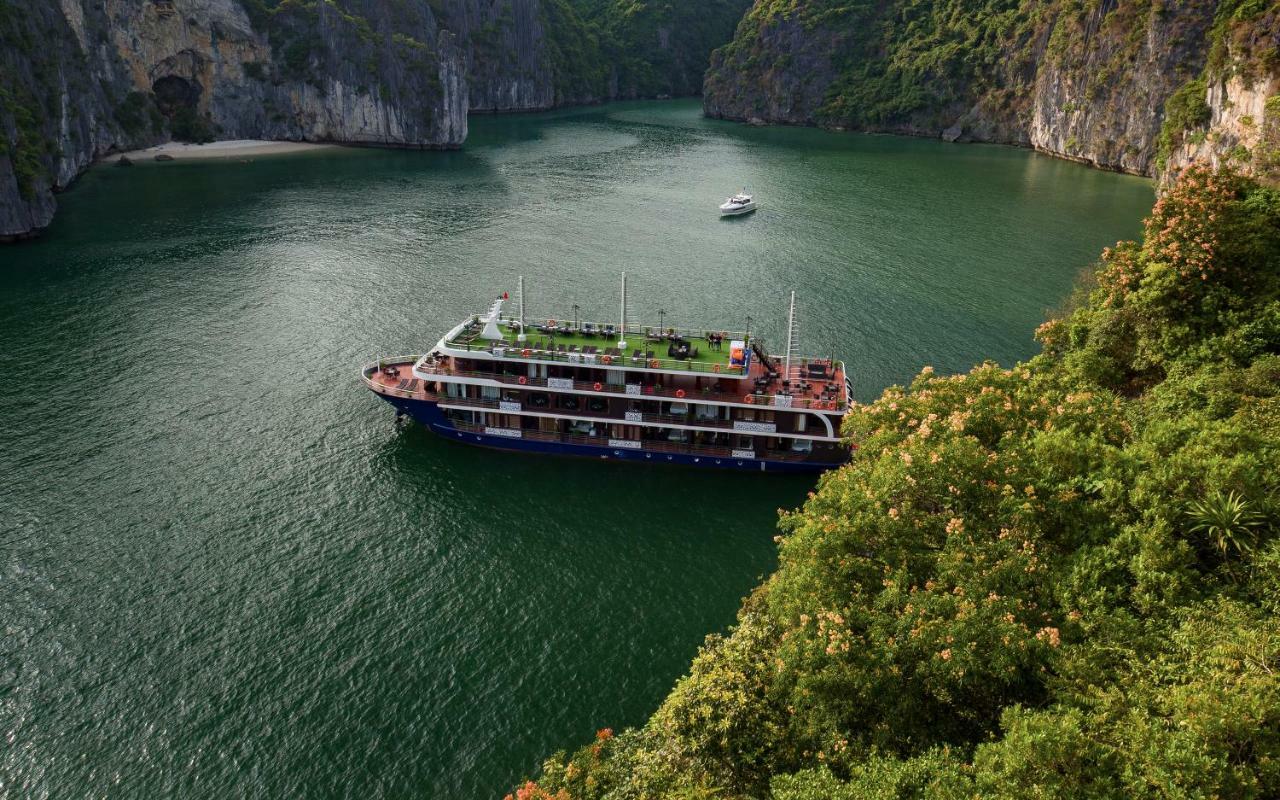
(445, 404)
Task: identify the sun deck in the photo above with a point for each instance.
(597, 344)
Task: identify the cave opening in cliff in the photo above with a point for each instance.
(179, 100)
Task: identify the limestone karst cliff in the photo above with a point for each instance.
(83, 78)
(80, 78)
(1086, 81)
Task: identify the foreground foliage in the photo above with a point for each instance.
(1056, 580)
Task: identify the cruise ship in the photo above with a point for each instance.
(621, 391)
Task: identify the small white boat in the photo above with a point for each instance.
(738, 204)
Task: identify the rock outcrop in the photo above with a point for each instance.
(1230, 116)
(82, 78)
(1105, 74)
(1085, 81)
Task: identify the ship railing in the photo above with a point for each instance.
(638, 392)
(370, 370)
(633, 328)
(598, 360)
(646, 445)
(653, 419)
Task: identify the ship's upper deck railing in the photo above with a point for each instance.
(708, 351)
(632, 329)
(593, 344)
(766, 397)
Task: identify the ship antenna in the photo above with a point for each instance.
(791, 336)
(622, 331)
(522, 336)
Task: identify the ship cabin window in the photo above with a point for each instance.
(538, 400)
(678, 409)
(455, 390)
(802, 445)
(801, 419)
(569, 402)
(746, 443)
(511, 397)
(705, 412)
(675, 435)
(583, 428)
(489, 392)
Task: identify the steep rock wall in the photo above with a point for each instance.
(63, 98)
(80, 78)
(505, 53)
(1085, 81)
(1105, 75)
(1243, 131)
(1230, 116)
(84, 78)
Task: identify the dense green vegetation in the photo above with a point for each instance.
(601, 49)
(891, 59)
(654, 47)
(1186, 110)
(1056, 580)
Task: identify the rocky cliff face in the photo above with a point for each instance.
(80, 78)
(505, 52)
(363, 72)
(1105, 75)
(1086, 81)
(1231, 114)
(83, 78)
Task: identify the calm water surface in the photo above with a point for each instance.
(225, 572)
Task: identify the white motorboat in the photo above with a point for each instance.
(738, 204)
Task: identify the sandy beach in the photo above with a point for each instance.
(234, 148)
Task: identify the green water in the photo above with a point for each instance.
(227, 573)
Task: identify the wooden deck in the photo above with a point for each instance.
(395, 378)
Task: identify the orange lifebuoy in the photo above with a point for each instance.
(551, 323)
(680, 393)
(749, 399)
(606, 360)
(598, 386)
(655, 363)
(526, 352)
(522, 380)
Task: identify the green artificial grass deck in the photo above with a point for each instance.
(542, 341)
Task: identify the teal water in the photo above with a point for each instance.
(227, 573)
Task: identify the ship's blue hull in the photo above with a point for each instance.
(430, 415)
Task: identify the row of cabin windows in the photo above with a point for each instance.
(602, 430)
(674, 408)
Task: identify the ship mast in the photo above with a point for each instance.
(791, 337)
(622, 329)
(521, 337)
